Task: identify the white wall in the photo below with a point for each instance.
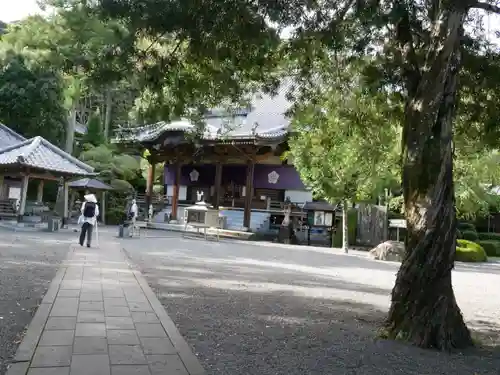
(182, 192)
(299, 196)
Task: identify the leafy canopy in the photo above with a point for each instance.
(31, 97)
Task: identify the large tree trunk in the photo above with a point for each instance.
(345, 226)
(70, 130)
(107, 118)
(424, 310)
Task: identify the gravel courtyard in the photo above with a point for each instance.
(263, 309)
(28, 263)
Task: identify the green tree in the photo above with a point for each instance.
(31, 97)
(94, 135)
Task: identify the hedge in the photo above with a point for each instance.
(470, 235)
(466, 226)
(491, 247)
(489, 236)
(468, 251)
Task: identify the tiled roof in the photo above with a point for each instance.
(265, 119)
(9, 137)
(41, 154)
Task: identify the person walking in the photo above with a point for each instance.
(132, 217)
(90, 212)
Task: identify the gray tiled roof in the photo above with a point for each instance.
(41, 154)
(9, 137)
(265, 119)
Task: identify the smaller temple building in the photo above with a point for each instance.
(24, 160)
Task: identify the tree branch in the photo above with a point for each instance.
(411, 68)
(486, 6)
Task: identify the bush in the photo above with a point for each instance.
(470, 235)
(468, 251)
(489, 236)
(491, 247)
(459, 235)
(466, 226)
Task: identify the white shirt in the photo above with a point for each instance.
(90, 220)
(134, 210)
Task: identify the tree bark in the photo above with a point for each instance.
(107, 117)
(70, 130)
(424, 310)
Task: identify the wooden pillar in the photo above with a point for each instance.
(218, 180)
(22, 201)
(2, 187)
(65, 202)
(248, 194)
(103, 208)
(175, 197)
(39, 194)
(149, 184)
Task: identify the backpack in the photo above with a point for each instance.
(89, 210)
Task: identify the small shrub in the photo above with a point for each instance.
(459, 234)
(466, 226)
(489, 236)
(491, 247)
(468, 251)
(470, 235)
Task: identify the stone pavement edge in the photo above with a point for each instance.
(100, 317)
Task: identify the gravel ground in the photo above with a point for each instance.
(28, 263)
(263, 309)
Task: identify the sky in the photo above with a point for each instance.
(14, 10)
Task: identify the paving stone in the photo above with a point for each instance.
(119, 322)
(122, 337)
(57, 338)
(49, 371)
(88, 297)
(52, 356)
(113, 293)
(92, 364)
(69, 293)
(150, 330)
(91, 306)
(126, 355)
(157, 345)
(56, 323)
(131, 370)
(166, 364)
(90, 345)
(90, 317)
(110, 302)
(144, 317)
(117, 311)
(64, 307)
(140, 307)
(71, 284)
(91, 329)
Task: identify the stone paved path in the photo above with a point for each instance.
(100, 317)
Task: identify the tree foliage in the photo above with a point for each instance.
(94, 135)
(113, 167)
(346, 139)
(31, 97)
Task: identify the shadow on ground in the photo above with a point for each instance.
(252, 314)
